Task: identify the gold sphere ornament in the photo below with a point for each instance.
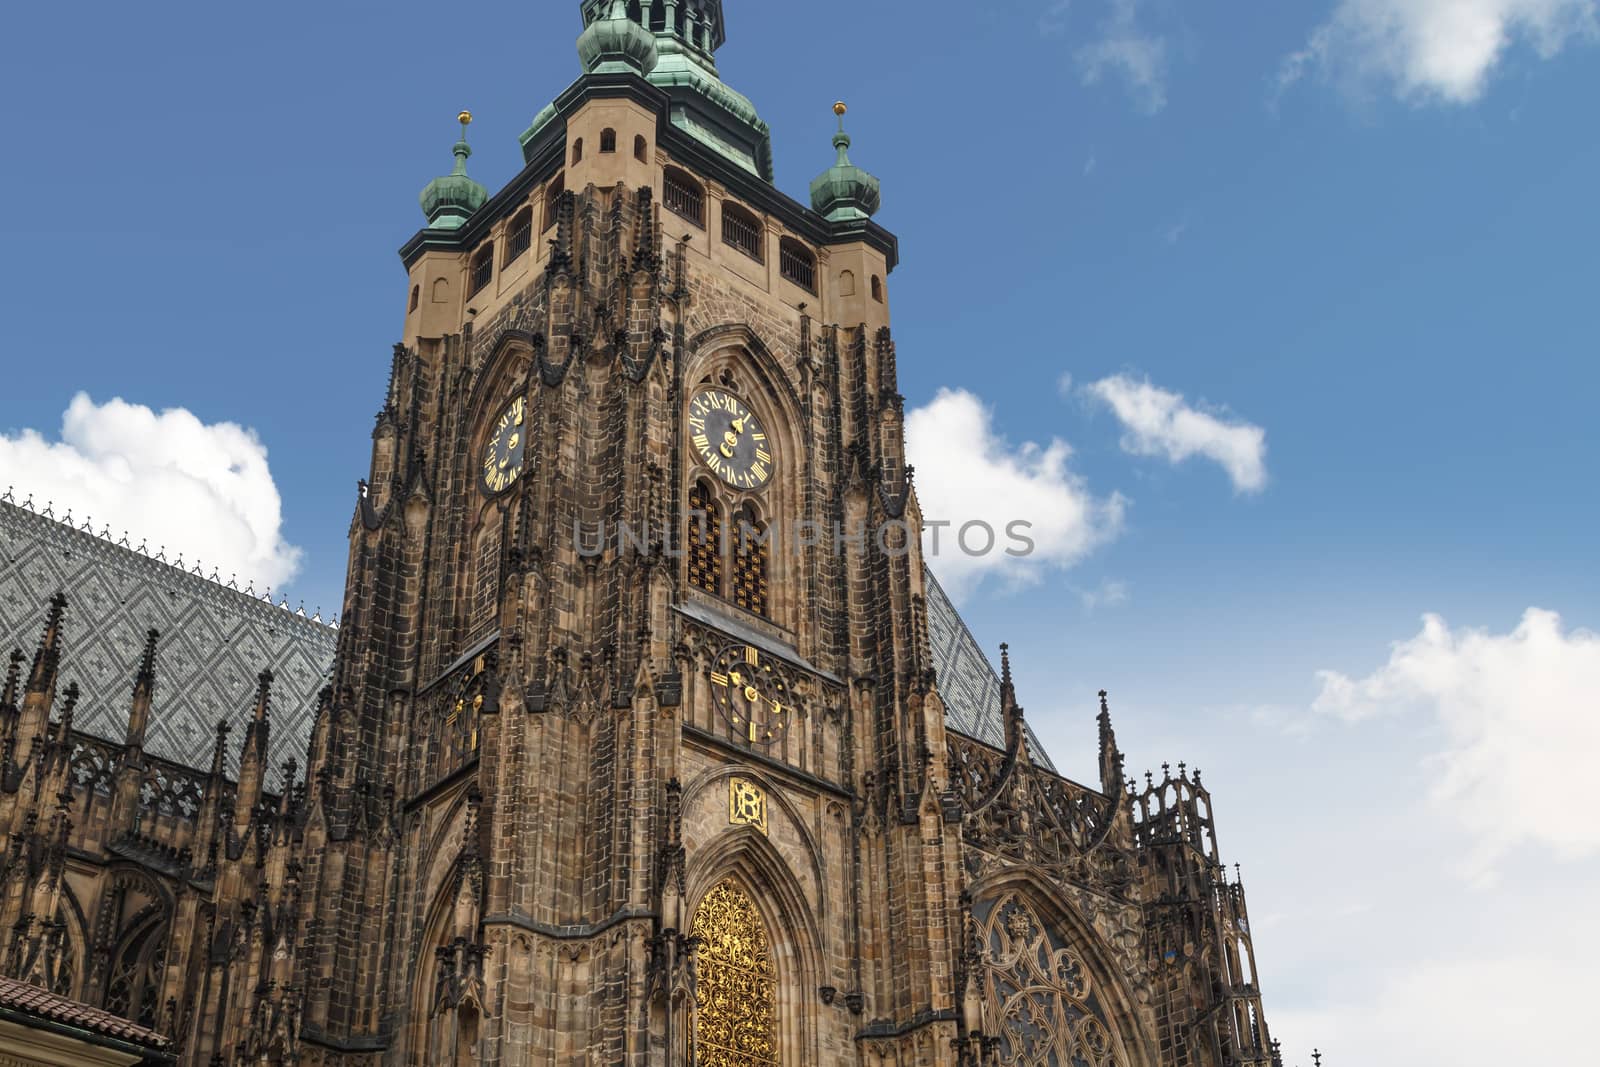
(465, 118)
(839, 108)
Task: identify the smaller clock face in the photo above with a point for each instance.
(750, 691)
(730, 439)
(508, 442)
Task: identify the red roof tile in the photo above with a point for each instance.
(31, 1000)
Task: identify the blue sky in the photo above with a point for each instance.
(1363, 228)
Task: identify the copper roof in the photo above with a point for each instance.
(31, 1000)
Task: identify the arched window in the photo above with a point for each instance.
(1040, 1001)
(416, 298)
(133, 986)
(797, 263)
(743, 231)
(877, 288)
(552, 200)
(441, 290)
(752, 559)
(847, 283)
(519, 235)
(705, 540)
(608, 140)
(577, 151)
(641, 148)
(736, 995)
(482, 269)
(684, 197)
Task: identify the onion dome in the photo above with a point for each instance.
(616, 43)
(450, 201)
(844, 192)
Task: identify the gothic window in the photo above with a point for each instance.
(482, 269)
(742, 230)
(877, 288)
(519, 235)
(486, 572)
(133, 987)
(751, 563)
(705, 540)
(608, 140)
(416, 298)
(1039, 1000)
(641, 148)
(736, 993)
(577, 151)
(684, 197)
(552, 200)
(797, 263)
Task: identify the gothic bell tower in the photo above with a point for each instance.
(629, 752)
(636, 750)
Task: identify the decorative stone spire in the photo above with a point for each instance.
(47, 658)
(450, 201)
(613, 43)
(144, 688)
(13, 680)
(1111, 767)
(844, 192)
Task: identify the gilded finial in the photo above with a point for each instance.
(839, 108)
(465, 118)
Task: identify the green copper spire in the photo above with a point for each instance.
(673, 44)
(450, 201)
(844, 192)
(615, 43)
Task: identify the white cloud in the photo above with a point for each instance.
(1053, 20)
(1476, 1012)
(1107, 594)
(1517, 711)
(1160, 423)
(967, 472)
(204, 491)
(1125, 49)
(1434, 50)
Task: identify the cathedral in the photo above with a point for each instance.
(645, 737)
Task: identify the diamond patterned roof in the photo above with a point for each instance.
(215, 640)
(967, 681)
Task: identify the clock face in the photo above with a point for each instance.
(750, 691)
(730, 439)
(508, 442)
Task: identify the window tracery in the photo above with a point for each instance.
(133, 988)
(736, 990)
(1039, 1000)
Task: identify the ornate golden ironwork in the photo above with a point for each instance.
(736, 990)
(751, 559)
(705, 541)
(1038, 997)
(747, 804)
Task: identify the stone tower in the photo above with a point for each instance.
(637, 751)
(649, 739)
